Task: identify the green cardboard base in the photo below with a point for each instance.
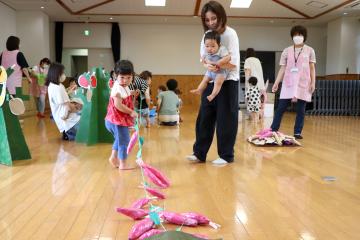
(16, 140)
(5, 156)
(174, 235)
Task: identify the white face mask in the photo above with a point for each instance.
(46, 66)
(62, 77)
(298, 40)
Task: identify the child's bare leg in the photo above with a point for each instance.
(254, 117)
(113, 160)
(147, 121)
(217, 87)
(203, 84)
(122, 156)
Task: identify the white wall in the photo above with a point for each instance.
(32, 28)
(74, 35)
(174, 49)
(343, 46)
(67, 58)
(278, 38)
(350, 36)
(101, 57)
(8, 24)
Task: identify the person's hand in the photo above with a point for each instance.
(30, 80)
(275, 87)
(134, 114)
(312, 88)
(211, 67)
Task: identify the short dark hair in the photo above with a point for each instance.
(54, 73)
(171, 84)
(12, 43)
(124, 67)
(145, 75)
(213, 35)
(250, 52)
(253, 81)
(298, 30)
(162, 88)
(218, 10)
(45, 60)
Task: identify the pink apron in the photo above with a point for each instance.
(296, 84)
(9, 58)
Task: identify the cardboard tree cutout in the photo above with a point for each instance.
(13, 145)
(95, 94)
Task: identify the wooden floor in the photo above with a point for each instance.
(69, 191)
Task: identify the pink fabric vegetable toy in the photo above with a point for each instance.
(201, 219)
(178, 219)
(134, 213)
(140, 228)
(140, 203)
(150, 233)
(155, 192)
(132, 142)
(157, 177)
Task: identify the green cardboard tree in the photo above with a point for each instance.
(12, 145)
(5, 156)
(18, 147)
(92, 127)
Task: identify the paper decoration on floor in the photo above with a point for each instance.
(92, 128)
(150, 221)
(267, 137)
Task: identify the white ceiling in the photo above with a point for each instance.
(261, 12)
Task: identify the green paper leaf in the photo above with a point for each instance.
(139, 153)
(141, 140)
(155, 217)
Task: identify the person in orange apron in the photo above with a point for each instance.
(297, 72)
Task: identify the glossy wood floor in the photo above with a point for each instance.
(69, 191)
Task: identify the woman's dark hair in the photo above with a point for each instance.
(177, 91)
(111, 74)
(45, 60)
(124, 67)
(218, 10)
(54, 73)
(213, 35)
(250, 52)
(171, 84)
(12, 43)
(298, 30)
(253, 81)
(162, 88)
(145, 75)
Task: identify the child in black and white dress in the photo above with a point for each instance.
(253, 99)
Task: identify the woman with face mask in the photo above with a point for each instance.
(60, 102)
(37, 88)
(222, 112)
(297, 73)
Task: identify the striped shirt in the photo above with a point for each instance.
(139, 83)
